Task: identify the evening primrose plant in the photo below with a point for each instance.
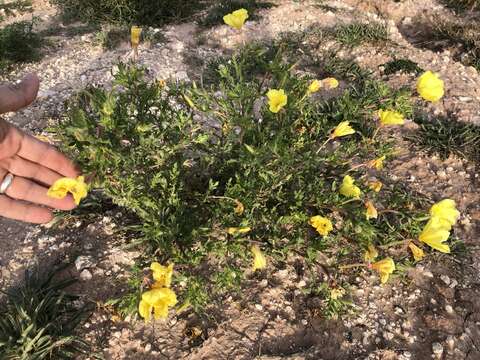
(239, 172)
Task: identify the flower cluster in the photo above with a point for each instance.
(160, 297)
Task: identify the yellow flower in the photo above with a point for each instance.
(135, 33)
(370, 254)
(277, 99)
(371, 212)
(239, 208)
(330, 83)
(337, 293)
(237, 231)
(375, 186)
(236, 19)
(389, 117)
(446, 211)
(430, 86)
(76, 187)
(342, 129)
(348, 188)
(158, 301)
(162, 274)
(259, 260)
(435, 233)
(377, 163)
(384, 267)
(417, 253)
(321, 224)
(314, 86)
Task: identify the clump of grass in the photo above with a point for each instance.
(19, 43)
(446, 135)
(38, 320)
(403, 66)
(356, 34)
(216, 12)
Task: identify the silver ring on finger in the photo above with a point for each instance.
(7, 181)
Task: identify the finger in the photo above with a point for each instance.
(46, 155)
(17, 96)
(27, 169)
(18, 210)
(24, 189)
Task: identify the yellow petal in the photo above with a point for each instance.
(277, 99)
(435, 233)
(430, 87)
(384, 267)
(236, 19)
(342, 129)
(348, 188)
(145, 310)
(371, 212)
(330, 83)
(238, 230)
(239, 208)
(77, 187)
(370, 254)
(377, 163)
(321, 224)
(388, 117)
(135, 33)
(375, 186)
(446, 211)
(259, 260)
(417, 253)
(162, 274)
(314, 86)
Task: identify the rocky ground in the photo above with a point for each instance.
(433, 313)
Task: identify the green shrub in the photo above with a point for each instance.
(139, 12)
(38, 320)
(18, 43)
(181, 157)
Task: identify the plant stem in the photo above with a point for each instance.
(351, 266)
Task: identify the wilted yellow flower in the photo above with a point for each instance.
(236, 19)
(330, 83)
(158, 301)
(384, 267)
(337, 293)
(370, 254)
(162, 274)
(417, 253)
(430, 86)
(321, 224)
(314, 86)
(277, 99)
(377, 163)
(259, 260)
(348, 187)
(239, 208)
(389, 117)
(371, 212)
(237, 231)
(135, 33)
(446, 211)
(435, 233)
(375, 186)
(342, 129)
(76, 187)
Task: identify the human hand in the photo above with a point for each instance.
(35, 165)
